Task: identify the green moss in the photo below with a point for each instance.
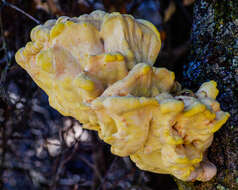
(183, 185)
(237, 180)
(220, 187)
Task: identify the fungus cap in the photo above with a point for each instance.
(98, 68)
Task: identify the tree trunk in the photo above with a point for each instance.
(214, 56)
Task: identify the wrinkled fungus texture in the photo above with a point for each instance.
(99, 69)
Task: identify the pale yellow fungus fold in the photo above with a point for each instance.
(98, 68)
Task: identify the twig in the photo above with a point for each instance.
(92, 166)
(125, 177)
(4, 48)
(4, 97)
(3, 146)
(21, 11)
(61, 166)
(105, 177)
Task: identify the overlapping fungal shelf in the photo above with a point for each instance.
(98, 68)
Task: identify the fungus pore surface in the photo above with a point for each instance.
(98, 68)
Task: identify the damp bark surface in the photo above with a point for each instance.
(214, 55)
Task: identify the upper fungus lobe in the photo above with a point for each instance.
(99, 69)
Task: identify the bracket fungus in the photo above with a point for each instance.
(98, 68)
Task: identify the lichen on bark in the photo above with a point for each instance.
(214, 55)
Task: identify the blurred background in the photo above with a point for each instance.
(41, 149)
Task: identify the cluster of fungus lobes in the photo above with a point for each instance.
(98, 68)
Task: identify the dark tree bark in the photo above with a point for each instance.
(214, 56)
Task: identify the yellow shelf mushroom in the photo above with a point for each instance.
(99, 69)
